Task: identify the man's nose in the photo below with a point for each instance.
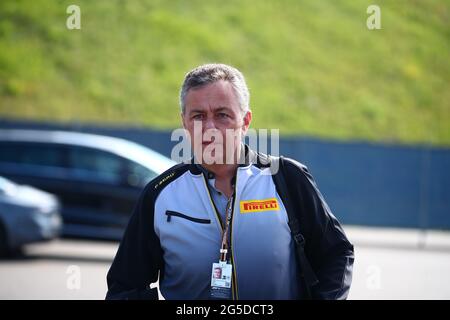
(209, 124)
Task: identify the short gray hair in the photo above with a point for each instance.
(213, 72)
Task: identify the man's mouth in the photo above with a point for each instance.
(207, 142)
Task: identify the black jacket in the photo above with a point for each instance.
(139, 259)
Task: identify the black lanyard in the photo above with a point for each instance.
(224, 245)
(229, 214)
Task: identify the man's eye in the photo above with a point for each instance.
(197, 117)
(223, 115)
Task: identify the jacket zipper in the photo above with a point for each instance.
(170, 213)
(234, 282)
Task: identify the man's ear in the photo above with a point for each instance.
(247, 121)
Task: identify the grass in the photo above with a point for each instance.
(313, 68)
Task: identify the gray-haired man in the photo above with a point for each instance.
(273, 236)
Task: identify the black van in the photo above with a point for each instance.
(96, 178)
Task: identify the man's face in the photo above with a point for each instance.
(217, 273)
(213, 110)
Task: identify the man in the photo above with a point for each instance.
(217, 273)
(224, 209)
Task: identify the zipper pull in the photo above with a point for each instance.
(169, 216)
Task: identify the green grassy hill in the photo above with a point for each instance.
(312, 66)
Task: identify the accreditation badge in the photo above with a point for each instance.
(221, 276)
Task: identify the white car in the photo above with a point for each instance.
(26, 215)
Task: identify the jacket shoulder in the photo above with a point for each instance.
(298, 172)
(156, 185)
(294, 165)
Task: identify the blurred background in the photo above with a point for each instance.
(86, 116)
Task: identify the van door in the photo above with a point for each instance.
(38, 164)
(100, 207)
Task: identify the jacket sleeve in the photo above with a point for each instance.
(139, 257)
(329, 252)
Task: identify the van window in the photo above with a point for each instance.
(139, 175)
(90, 163)
(39, 154)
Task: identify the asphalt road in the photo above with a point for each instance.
(389, 265)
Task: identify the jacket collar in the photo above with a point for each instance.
(248, 155)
